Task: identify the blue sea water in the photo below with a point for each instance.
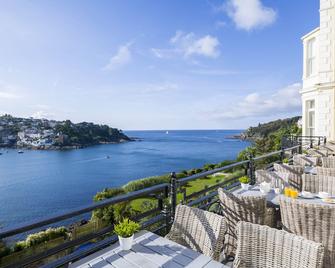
(37, 184)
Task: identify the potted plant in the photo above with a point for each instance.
(245, 182)
(125, 230)
(286, 161)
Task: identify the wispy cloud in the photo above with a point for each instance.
(158, 88)
(214, 72)
(249, 14)
(285, 100)
(122, 57)
(188, 44)
(43, 115)
(7, 95)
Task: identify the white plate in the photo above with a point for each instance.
(307, 195)
(328, 200)
(326, 195)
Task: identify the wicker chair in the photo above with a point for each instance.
(303, 160)
(328, 162)
(262, 246)
(292, 175)
(325, 171)
(311, 221)
(245, 208)
(318, 183)
(199, 230)
(318, 152)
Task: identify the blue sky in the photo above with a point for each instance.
(154, 64)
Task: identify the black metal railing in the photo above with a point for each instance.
(167, 195)
(311, 141)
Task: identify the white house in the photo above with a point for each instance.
(318, 91)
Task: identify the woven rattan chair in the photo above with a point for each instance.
(199, 230)
(318, 183)
(328, 162)
(318, 152)
(244, 208)
(303, 160)
(325, 171)
(315, 222)
(264, 247)
(290, 174)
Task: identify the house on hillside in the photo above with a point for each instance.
(318, 91)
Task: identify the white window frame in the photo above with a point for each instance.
(310, 128)
(311, 57)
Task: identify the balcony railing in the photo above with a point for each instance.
(166, 196)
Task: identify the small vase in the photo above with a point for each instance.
(126, 242)
(245, 186)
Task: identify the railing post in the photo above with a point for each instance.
(165, 210)
(252, 170)
(325, 140)
(319, 141)
(173, 194)
(282, 155)
(311, 142)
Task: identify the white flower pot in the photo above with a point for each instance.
(126, 242)
(245, 186)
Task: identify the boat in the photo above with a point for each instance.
(167, 132)
(20, 152)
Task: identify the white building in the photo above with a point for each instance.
(318, 92)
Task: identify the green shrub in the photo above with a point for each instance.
(41, 237)
(145, 182)
(4, 250)
(286, 160)
(244, 179)
(126, 228)
(108, 193)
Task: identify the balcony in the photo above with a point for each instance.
(86, 238)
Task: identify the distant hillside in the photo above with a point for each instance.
(51, 134)
(264, 130)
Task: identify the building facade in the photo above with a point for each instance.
(318, 91)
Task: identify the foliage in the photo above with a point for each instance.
(126, 228)
(4, 250)
(286, 160)
(41, 237)
(268, 138)
(145, 182)
(244, 179)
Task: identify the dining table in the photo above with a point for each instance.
(273, 199)
(149, 250)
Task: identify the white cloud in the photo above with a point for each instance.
(42, 115)
(213, 72)
(249, 14)
(122, 57)
(285, 100)
(164, 87)
(188, 44)
(8, 95)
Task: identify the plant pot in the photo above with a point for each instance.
(126, 242)
(245, 186)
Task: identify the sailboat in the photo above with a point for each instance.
(167, 132)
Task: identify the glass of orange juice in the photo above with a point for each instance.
(294, 193)
(287, 191)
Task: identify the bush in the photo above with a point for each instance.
(41, 237)
(146, 182)
(4, 250)
(108, 193)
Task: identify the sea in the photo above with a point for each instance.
(37, 184)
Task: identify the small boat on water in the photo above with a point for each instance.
(167, 132)
(20, 152)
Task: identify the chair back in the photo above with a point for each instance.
(199, 230)
(235, 209)
(303, 160)
(328, 162)
(291, 175)
(314, 222)
(325, 171)
(318, 183)
(262, 246)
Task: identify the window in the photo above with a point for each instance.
(310, 57)
(310, 117)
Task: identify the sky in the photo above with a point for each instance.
(154, 64)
